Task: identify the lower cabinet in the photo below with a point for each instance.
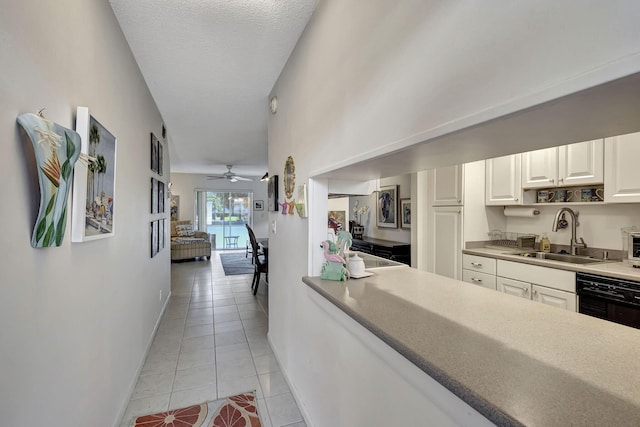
(545, 285)
(513, 287)
(554, 297)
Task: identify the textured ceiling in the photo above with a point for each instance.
(210, 65)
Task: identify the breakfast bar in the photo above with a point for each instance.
(514, 361)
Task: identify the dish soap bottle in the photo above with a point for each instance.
(545, 244)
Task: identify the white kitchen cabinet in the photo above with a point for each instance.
(540, 168)
(622, 175)
(554, 297)
(503, 181)
(581, 163)
(513, 287)
(446, 241)
(479, 263)
(568, 165)
(481, 279)
(446, 186)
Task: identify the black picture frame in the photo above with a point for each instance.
(161, 197)
(154, 153)
(160, 158)
(272, 192)
(154, 196)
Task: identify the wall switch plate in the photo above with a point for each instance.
(273, 226)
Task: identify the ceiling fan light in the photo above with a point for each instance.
(265, 177)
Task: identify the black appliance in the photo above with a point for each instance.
(617, 300)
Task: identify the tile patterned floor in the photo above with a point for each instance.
(212, 343)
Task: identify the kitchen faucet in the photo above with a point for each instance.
(574, 245)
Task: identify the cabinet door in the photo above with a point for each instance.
(513, 287)
(447, 186)
(581, 163)
(540, 168)
(446, 241)
(621, 173)
(481, 279)
(554, 297)
(503, 181)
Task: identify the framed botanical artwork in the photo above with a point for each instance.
(272, 192)
(160, 197)
(258, 205)
(94, 181)
(154, 153)
(387, 207)
(405, 213)
(301, 201)
(154, 238)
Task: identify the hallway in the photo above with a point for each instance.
(210, 344)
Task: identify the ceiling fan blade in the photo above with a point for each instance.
(240, 178)
(215, 177)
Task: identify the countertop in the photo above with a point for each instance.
(515, 361)
(617, 269)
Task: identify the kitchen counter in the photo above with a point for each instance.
(617, 269)
(515, 361)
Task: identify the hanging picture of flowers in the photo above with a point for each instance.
(94, 182)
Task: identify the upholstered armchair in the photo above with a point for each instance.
(187, 243)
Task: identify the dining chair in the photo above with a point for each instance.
(261, 265)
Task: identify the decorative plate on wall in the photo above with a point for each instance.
(289, 177)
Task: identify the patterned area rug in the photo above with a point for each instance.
(236, 263)
(236, 411)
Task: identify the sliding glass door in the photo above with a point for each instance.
(224, 214)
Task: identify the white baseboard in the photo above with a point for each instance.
(294, 391)
(133, 383)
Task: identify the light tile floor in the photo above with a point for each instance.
(212, 343)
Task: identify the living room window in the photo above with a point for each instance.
(224, 213)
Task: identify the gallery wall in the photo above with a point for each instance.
(75, 320)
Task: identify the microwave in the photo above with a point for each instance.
(634, 249)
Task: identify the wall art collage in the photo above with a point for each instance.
(158, 227)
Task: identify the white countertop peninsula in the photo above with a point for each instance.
(515, 361)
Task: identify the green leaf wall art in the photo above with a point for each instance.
(56, 149)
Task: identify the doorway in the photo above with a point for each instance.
(225, 213)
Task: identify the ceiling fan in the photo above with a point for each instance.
(229, 176)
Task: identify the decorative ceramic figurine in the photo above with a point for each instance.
(285, 207)
(56, 149)
(344, 242)
(334, 266)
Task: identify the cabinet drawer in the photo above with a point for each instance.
(550, 277)
(479, 263)
(513, 287)
(481, 279)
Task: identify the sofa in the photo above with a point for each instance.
(187, 243)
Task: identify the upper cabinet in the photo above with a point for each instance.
(503, 181)
(447, 186)
(565, 166)
(622, 178)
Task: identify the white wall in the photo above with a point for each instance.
(478, 219)
(362, 82)
(75, 321)
(185, 185)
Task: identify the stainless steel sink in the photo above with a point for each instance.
(573, 259)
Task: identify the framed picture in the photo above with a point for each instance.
(160, 197)
(175, 208)
(161, 234)
(154, 195)
(387, 207)
(258, 205)
(160, 158)
(154, 238)
(154, 153)
(337, 220)
(273, 193)
(405, 214)
(94, 182)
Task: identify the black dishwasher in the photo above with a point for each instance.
(616, 300)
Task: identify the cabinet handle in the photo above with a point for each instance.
(515, 200)
(551, 180)
(535, 292)
(473, 279)
(561, 180)
(525, 290)
(476, 264)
